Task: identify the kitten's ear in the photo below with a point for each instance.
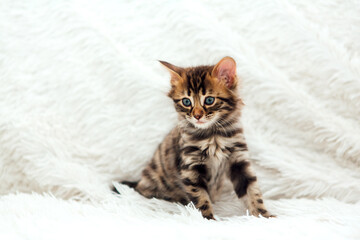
(225, 71)
(171, 67)
(174, 71)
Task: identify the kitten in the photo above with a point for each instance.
(206, 146)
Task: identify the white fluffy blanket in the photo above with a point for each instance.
(83, 103)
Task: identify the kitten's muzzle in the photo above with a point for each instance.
(198, 115)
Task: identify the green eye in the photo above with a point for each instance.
(186, 102)
(209, 100)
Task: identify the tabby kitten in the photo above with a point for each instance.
(206, 146)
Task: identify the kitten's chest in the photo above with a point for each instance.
(217, 160)
(214, 149)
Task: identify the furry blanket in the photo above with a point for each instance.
(83, 103)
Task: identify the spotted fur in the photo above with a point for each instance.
(206, 146)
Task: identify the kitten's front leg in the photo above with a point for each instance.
(245, 181)
(194, 176)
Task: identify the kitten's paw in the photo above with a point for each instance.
(209, 217)
(263, 212)
(268, 215)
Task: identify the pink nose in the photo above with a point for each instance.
(198, 113)
(198, 116)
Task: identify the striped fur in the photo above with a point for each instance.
(206, 146)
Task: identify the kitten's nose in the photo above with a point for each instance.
(197, 116)
(198, 113)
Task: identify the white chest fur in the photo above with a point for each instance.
(216, 160)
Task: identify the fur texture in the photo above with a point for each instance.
(206, 146)
(77, 80)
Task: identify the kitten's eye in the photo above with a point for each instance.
(186, 102)
(209, 100)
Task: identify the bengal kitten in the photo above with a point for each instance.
(206, 146)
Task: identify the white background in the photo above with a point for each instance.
(83, 103)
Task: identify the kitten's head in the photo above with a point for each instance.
(206, 95)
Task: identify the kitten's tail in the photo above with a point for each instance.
(130, 184)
